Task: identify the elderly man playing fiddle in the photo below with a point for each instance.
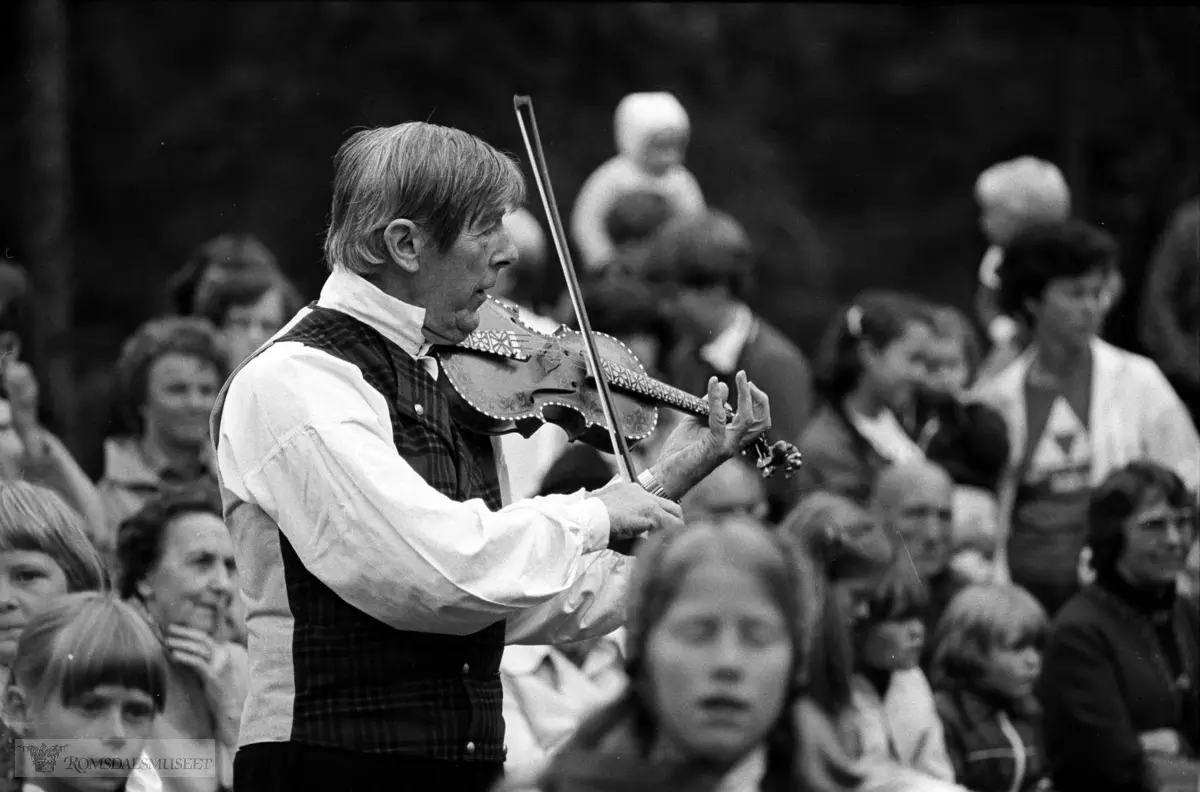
(383, 568)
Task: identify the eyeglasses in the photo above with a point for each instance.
(1182, 520)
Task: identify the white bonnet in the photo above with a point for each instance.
(640, 115)
(1028, 186)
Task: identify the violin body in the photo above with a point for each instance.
(511, 378)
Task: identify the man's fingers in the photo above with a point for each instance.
(672, 508)
(745, 397)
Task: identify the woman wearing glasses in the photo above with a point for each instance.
(1122, 663)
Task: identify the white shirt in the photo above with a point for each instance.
(722, 352)
(547, 696)
(886, 436)
(304, 438)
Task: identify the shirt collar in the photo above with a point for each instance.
(722, 352)
(399, 322)
(522, 660)
(126, 464)
(978, 709)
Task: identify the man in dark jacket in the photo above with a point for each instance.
(703, 265)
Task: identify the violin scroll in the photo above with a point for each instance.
(776, 456)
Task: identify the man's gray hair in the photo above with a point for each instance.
(443, 179)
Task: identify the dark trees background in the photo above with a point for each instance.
(847, 138)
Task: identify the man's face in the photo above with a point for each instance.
(455, 282)
(920, 517)
(247, 327)
(1072, 310)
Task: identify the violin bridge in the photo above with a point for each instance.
(502, 343)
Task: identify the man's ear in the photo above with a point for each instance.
(14, 709)
(403, 241)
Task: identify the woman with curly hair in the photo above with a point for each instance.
(167, 380)
(178, 565)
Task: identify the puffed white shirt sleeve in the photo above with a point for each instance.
(307, 440)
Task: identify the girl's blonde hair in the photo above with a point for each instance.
(979, 620)
(36, 519)
(82, 641)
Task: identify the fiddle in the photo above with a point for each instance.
(507, 377)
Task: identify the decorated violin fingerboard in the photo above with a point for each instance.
(636, 382)
(503, 343)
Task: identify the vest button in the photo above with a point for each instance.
(418, 409)
(466, 668)
(470, 747)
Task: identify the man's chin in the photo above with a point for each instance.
(463, 326)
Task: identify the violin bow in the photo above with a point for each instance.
(523, 105)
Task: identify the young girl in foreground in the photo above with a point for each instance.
(88, 681)
(987, 661)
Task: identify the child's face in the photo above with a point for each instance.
(664, 150)
(945, 364)
(28, 580)
(894, 370)
(108, 724)
(1012, 671)
(893, 645)
(971, 567)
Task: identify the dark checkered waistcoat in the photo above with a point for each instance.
(360, 684)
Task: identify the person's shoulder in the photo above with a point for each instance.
(1080, 619)
(827, 430)
(773, 343)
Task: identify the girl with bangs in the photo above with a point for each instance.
(713, 655)
(901, 743)
(986, 664)
(44, 552)
(87, 683)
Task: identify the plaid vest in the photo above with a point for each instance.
(359, 684)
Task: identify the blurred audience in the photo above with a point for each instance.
(1076, 407)
(702, 266)
(914, 501)
(713, 651)
(1170, 313)
(1013, 196)
(986, 661)
(44, 552)
(549, 691)
(735, 489)
(247, 306)
(841, 550)
(869, 363)
(31, 453)
(178, 565)
(216, 259)
(652, 133)
(167, 379)
(1121, 683)
(90, 670)
(901, 741)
